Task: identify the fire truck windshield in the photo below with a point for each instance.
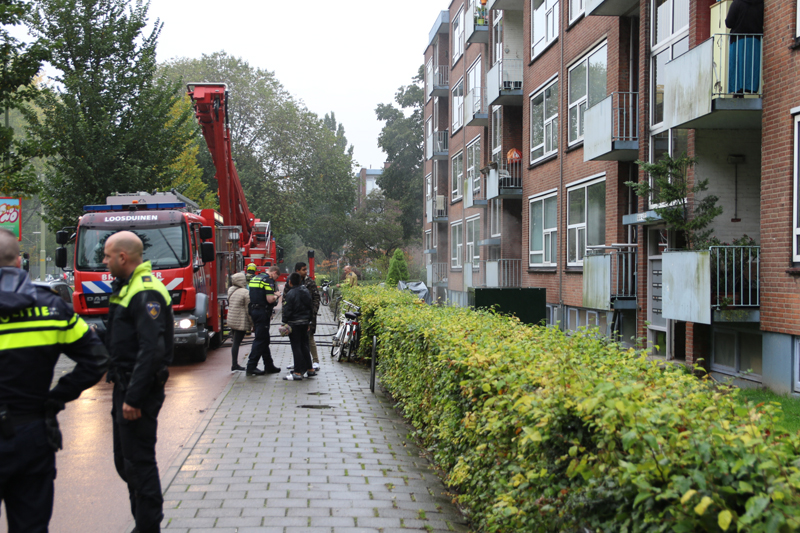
(164, 246)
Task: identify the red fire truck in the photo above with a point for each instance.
(193, 251)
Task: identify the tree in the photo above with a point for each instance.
(374, 230)
(402, 140)
(108, 119)
(21, 63)
(398, 269)
(670, 188)
(189, 173)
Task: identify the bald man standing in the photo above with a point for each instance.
(139, 339)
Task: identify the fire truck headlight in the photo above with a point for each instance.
(185, 323)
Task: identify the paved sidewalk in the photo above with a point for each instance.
(321, 455)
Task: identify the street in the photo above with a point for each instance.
(89, 495)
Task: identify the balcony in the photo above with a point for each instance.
(716, 85)
(609, 279)
(506, 5)
(439, 81)
(477, 24)
(475, 191)
(502, 273)
(505, 181)
(476, 112)
(611, 130)
(438, 144)
(504, 83)
(723, 280)
(611, 8)
(437, 274)
(436, 208)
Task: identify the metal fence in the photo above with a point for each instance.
(737, 64)
(735, 275)
(626, 116)
(623, 273)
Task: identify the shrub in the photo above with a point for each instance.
(544, 432)
(398, 269)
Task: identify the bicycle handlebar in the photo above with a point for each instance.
(351, 304)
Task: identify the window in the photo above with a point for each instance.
(429, 138)
(673, 142)
(587, 86)
(497, 37)
(458, 105)
(544, 25)
(474, 166)
(458, 35)
(473, 236)
(576, 9)
(497, 133)
(429, 186)
(428, 247)
(495, 212)
(669, 39)
(543, 231)
(544, 122)
(736, 351)
(456, 244)
(797, 22)
(796, 239)
(586, 219)
(458, 175)
(474, 100)
(428, 79)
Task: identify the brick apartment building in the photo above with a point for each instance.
(535, 114)
(367, 179)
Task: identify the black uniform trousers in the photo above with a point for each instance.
(135, 457)
(298, 339)
(260, 347)
(27, 471)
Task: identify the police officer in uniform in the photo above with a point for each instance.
(36, 325)
(139, 338)
(263, 297)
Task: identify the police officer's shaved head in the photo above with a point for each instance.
(9, 249)
(123, 253)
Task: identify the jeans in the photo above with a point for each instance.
(135, 457)
(27, 471)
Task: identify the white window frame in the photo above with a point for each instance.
(547, 18)
(576, 9)
(796, 225)
(474, 74)
(674, 32)
(581, 226)
(474, 165)
(550, 122)
(672, 45)
(497, 133)
(581, 104)
(495, 217)
(670, 145)
(457, 175)
(796, 356)
(458, 105)
(737, 355)
(429, 186)
(429, 137)
(429, 246)
(428, 80)
(497, 37)
(549, 234)
(473, 235)
(456, 244)
(797, 21)
(458, 35)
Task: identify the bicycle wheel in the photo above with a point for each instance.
(324, 298)
(355, 339)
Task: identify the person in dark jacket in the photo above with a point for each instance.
(746, 22)
(302, 269)
(297, 314)
(38, 326)
(139, 337)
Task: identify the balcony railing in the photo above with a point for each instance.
(612, 132)
(439, 81)
(497, 273)
(475, 190)
(505, 181)
(735, 275)
(476, 112)
(737, 64)
(623, 273)
(439, 142)
(504, 82)
(437, 273)
(440, 207)
(477, 24)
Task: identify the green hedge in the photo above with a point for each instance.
(543, 432)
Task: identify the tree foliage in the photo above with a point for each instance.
(398, 269)
(670, 189)
(107, 119)
(189, 173)
(296, 170)
(402, 140)
(21, 63)
(375, 229)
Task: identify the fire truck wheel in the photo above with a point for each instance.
(200, 352)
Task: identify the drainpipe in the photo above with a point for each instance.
(563, 248)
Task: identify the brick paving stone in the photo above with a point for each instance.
(265, 460)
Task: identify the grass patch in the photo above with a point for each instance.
(789, 404)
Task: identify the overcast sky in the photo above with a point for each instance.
(345, 57)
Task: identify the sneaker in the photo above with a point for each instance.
(292, 377)
(315, 366)
(290, 367)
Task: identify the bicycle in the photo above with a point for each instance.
(325, 297)
(345, 340)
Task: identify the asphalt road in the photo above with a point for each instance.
(89, 495)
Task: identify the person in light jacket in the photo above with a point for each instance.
(238, 316)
